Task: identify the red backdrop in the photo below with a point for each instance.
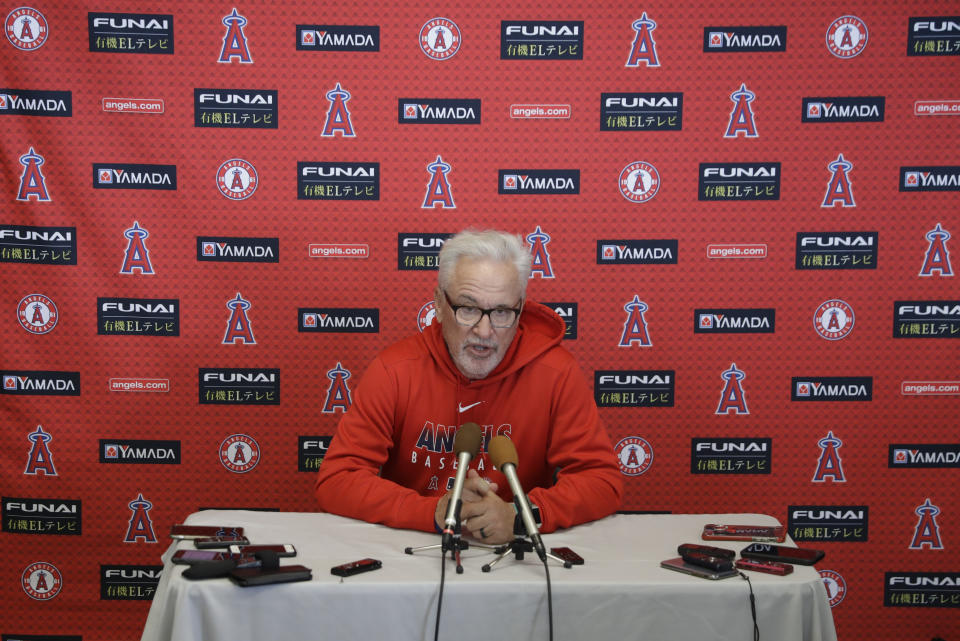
(742, 212)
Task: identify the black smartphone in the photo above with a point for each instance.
(567, 554)
(189, 557)
(356, 567)
(181, 531)
(709, 550)
(220, 542)
(781, 553)
(679, 565)
(258, 576)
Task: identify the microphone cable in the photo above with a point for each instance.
(753, 608)
(546, 571)
(443, 577)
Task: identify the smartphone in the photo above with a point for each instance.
(220, 542)
(567, 554)
(189, 557)
(709, 550)
(716, 563)
(770, 567)
(781, 553)
(283, 574)
(763, 533)
(679, 565)
(282, 549)
(181, 531)
(356, 567)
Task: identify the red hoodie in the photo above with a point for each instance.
(392, 455)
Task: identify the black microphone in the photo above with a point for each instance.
(504, 457)
(466, 445)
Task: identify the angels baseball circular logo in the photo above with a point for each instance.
(41, 581)
(237, 179)
(37, 313)
(833, 320)
(440, 38)
(425, 316)
(639, 182)
(239, 453)
(634, 455)
(847, 37)
(835, 585)
(26, 28)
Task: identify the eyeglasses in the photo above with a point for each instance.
(500, 317)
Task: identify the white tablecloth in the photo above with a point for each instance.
(620, 593)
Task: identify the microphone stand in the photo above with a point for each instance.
(519, 546)
(451, 542)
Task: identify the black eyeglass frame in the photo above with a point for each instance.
(484, 312)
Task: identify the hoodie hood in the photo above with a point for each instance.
(540, 330)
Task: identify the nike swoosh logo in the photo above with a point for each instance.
(464, 408)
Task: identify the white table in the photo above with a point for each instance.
(620, 593)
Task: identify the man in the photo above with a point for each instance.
(492, 358)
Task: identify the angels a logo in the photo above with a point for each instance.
(635, 327)
(127, 176)
(26, 102)
(929, 178)
(338, 116)
(338, 180)
(934, 36)
(734, 321)
(926, 534)
(239, 453)
(839, 190)
(239, 327)
(541, 40)
(741, 117)
(236, 108)
(644, 48)
(131, 32)
(843, 109)
(419, 252)
(41, 581)
(440, 38)
(634, 455)
(728, 181)
(539, 181)
(339, 320)
(338, 392)
(140, 526)
(829, 464)
(540, 266)
(641, 111)
(41, 383)
(37, 313)
(438, 111)
(732, 398)
(234, 40)
(837, 250)
(834, 319)
(744, 39)
(136, 257)
(39, 458)
(937, 257)
(26, 28)
(328, 37)
(847, 37)
(426, 315)
(32, 182)
(926, 319)
(835, 585)
(850, 523)
(38, 245)
(237, 179)
(238, 250)
(438, 188)
(639, 182)
(831, 388)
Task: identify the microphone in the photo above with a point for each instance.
(504, 457)
(466, 445)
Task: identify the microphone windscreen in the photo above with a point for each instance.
(502, 451)
(467, 439)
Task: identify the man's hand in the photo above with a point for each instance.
(483, 515)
